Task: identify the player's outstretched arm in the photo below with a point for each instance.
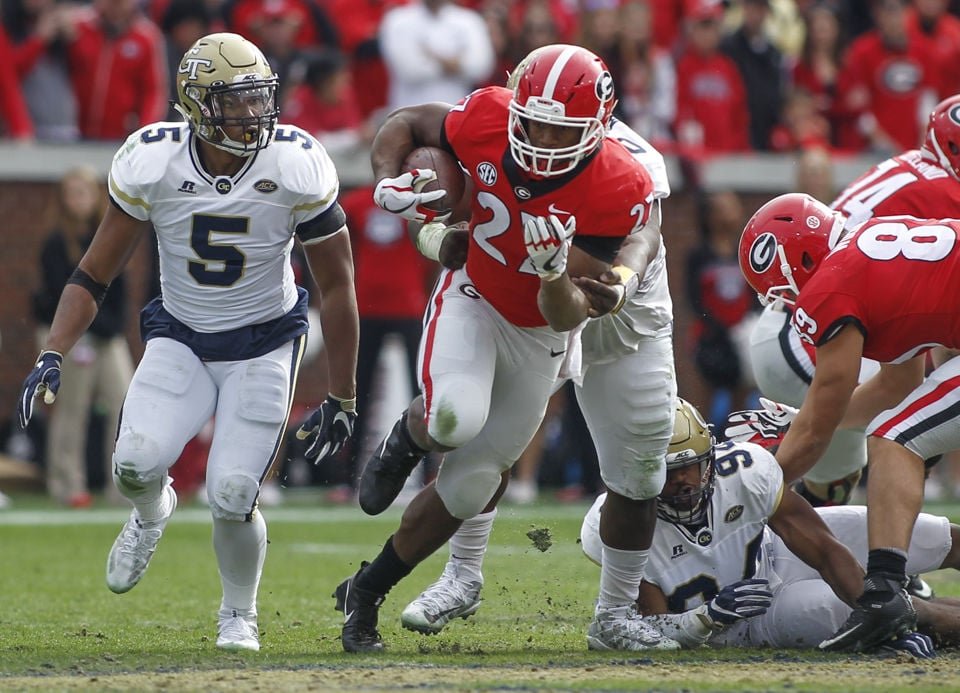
(806, 534)
(735, 602)
(838, 367)
(331, 264)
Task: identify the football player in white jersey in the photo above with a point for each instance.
(739, 560)
(228, 191)
(631, 342)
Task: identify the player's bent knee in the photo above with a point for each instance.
(232, 496)
(454, 424)
(641, 479)
(138, 461)
(465, 492)
(263, 392)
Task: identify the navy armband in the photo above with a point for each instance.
(323, 225)
(93, 287)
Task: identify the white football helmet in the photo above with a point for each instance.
(224, 81)
(562, 85)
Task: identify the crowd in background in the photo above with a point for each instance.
(693, 76)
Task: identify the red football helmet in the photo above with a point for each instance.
(784, 242)
(559, 85)
(942, 142)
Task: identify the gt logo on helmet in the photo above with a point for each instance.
(763, 252)
(192, 65)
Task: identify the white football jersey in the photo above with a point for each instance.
(224, 241)
(690, 567)
(649, 313)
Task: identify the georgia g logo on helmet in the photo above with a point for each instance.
(604, 88)
(763, 252)
(954, 114)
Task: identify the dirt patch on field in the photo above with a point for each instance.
(759, 674)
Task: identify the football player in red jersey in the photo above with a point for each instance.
(920, 182)
(552, 200)
(886, 291)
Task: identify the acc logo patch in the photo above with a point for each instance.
(265, 186)
(763, 252)
(733, 513)
(487, 173)
(223, 185)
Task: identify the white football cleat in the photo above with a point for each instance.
(622, 628)
(448, 598)
(236, 632)
(134, 547)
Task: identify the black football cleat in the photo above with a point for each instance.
(883, 613)
(360, 609)
(387, 470)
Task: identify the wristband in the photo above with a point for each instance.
(630, 281)
(430, 238)
(348, 405)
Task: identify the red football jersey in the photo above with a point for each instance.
(897, 279)
(905, 184)
(609, 194)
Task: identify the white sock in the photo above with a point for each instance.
(241, 548)
(468, 545)
(153, 504)
(620, 575)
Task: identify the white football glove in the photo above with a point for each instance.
(402, 196)
(548, 244)
(765, 427)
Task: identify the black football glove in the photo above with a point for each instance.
(44, 380)
(744, 599)
(328, 428)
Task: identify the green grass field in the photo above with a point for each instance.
(62, 629)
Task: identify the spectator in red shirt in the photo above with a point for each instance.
(712, 113)
(325, 104)
(818, 67)
(929, 20)
(358, 25)
(13, 108)
(314, 25)
(668, 16)
(888, 85)
(118, 69)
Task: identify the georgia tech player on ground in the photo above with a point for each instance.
(630, 342)
(539, 158)
(740, 560)
(227, 192)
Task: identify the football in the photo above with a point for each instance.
(449, 175)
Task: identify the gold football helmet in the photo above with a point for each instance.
(692, 443)
(224, 81)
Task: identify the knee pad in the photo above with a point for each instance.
(232, 496)
(136, 462)
(465, 490)
(454, 422)
(641, 479)
(263, 392)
